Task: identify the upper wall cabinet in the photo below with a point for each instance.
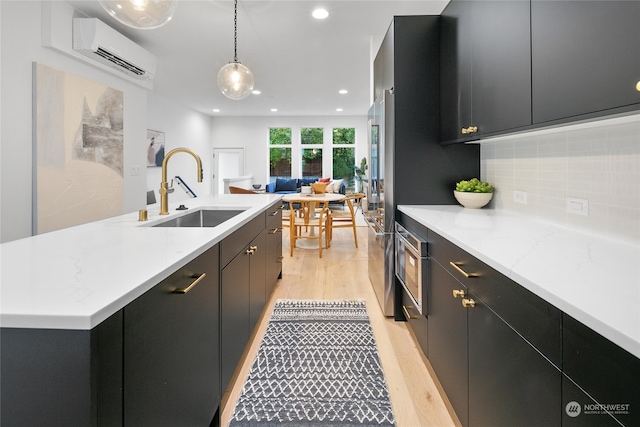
(485, 68)
(586, 58)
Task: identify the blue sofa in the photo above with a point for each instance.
(288, 185)
(292, 185)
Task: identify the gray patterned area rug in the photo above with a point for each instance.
(317, 365)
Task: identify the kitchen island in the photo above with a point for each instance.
(77, 277)
(117, 322)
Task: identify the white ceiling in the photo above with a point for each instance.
(299, 63)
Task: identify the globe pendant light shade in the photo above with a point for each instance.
(235, 81)
(141, 14)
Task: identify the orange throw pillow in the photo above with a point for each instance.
(319, 187)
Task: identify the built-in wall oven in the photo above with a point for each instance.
(412, 267)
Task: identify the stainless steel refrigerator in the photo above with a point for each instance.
(380, 212)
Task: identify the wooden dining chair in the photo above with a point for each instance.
(238, 190)
(318, 224)
(346, 218)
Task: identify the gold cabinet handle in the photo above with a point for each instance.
(638, 86)
(249, 251)
(195, 282)
(275, 230)
(274, 213)
(470, 129)
(280, 258)
(253, 248)
(468, 303)
(406, 312)
(458, 293)
(461, 271)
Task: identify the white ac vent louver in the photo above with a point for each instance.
(96, 40)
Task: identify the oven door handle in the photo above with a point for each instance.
(408, 247)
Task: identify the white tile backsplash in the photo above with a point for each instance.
(597, 161)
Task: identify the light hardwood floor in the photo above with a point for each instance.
(342, 274)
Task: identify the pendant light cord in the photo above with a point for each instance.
(235, 31)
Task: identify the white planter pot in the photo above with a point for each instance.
(472, 200)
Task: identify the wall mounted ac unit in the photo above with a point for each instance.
(98, 41)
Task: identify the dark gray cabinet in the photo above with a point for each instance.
(408, 62)
(485, 68)
(171, 367)
(507, 374)
(598, 372)
(62, 377)
(257, 278)
(234, 314)
(251, 260)
(491, 343)
(273, 261)
(585, 57)
(448, 348)
(417, 321)
(519, 65)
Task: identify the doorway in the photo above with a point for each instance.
(227, 163)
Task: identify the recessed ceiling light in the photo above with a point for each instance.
(216, 110)
(320, 13)
(343, 91)
(273, 110)
(256, 92)
(338, 109)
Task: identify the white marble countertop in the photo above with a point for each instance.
(77, 277)
(594, 279)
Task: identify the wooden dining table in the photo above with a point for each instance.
(313, 198)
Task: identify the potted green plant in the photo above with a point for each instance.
(473, 193)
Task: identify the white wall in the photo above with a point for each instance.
(20, 47)
(597, 161)
(21, 29)
(183, 127)
(252, 133)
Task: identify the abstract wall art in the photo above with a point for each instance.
(78, 150)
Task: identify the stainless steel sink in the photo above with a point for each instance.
(201, 218)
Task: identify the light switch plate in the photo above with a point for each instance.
(520, 197)
(578, 206)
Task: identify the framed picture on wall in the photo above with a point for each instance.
(155, 148)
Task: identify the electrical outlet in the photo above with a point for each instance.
(135, 170)
(520, 197)
(578, 206)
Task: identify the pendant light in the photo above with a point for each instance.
(141, 14)
(234, 79)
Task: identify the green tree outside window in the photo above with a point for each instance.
(311, 136)
(279, 157)
(280, 136)
(280, 162)
(344, 136)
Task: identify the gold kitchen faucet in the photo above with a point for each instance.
(164, 185)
